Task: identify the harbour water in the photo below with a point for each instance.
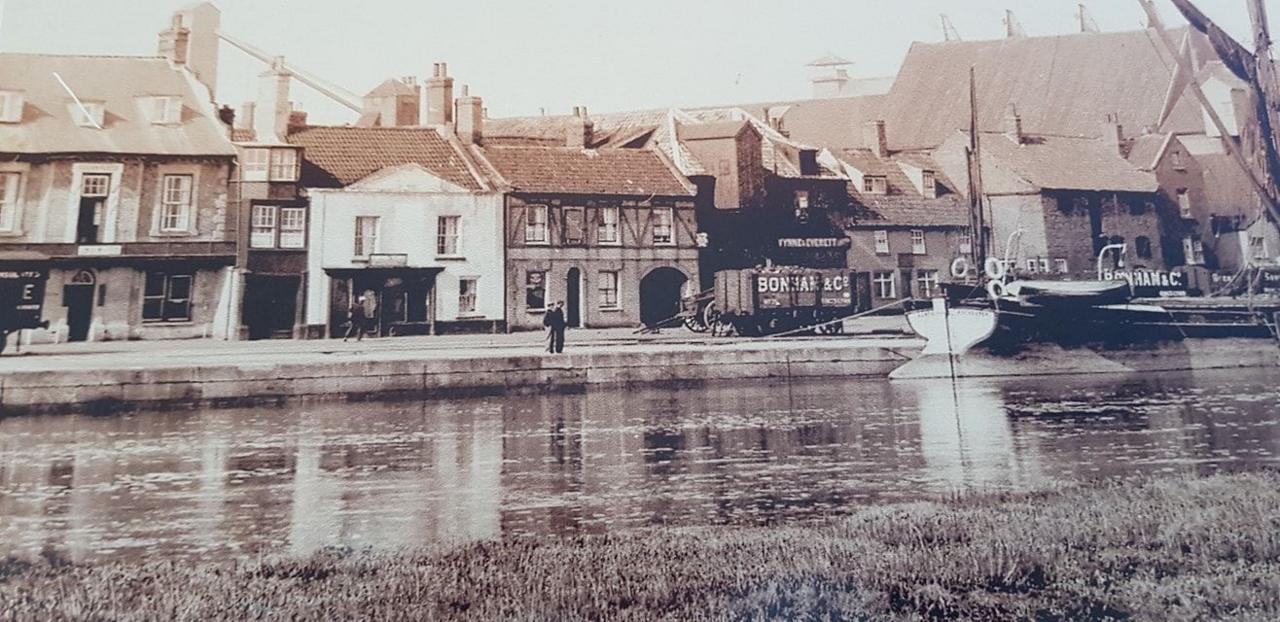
(216, 484)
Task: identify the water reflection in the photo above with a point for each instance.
(244, 482)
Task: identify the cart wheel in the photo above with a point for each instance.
(695, 324)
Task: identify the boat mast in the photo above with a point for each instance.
(977, 224)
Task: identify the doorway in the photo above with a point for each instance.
(270, 306)
(94, 190)
(573, 298)
(77, 297)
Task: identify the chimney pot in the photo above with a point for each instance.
(438, 103)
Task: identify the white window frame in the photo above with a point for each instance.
(291, 222)
(255, 164)
(263, 221)
(929, 184)
(444, 237)
(881, 241)
(468, 301)
(664, 226)
(10, 200)
(875, 184)
(966, 243)
(927, 282)
(537, 230)
(610, 281)
(609, 229)
(175, 211)
(1061, 265)
(115, 173)
(918, 243)
(97, 113)
(878, 282)
(1193, 251)
(11, 106)
(1259, 250)
(365, 243)
(1184, 203)
(283, 164)
(1033, 266)
(802, 200)
(162, 109)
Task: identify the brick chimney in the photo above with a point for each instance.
(439, 99)
(1013, 124)
(297, 121)
(875, 139)
(470, 118)
(579, 130)
(271, 114)
(175, 42)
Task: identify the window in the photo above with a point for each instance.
(1142, 246)
(663, 224)
(966, 243)
(293, 227)
(88, 114)
(447, 236)
(609, 290)
(1257, 247)
(166, 297)
(366, 239)
(872, 184)
(254, 167)
(1193, 250)
(10, 106)
(535, 224)
(1178, 164)
(575, 226)
(467, 288)
(884, 285)
(1061, 265)
(607, 228)
(929, 185)
(163, 110)
(262, 231)
(1044, 265)
(802, 200)
(95, 185)
(9, 200)
(927, 282)
(175, 212)
(284, 165)
(882, 242)
(1033, 266)
(917, 242)
(1184, 203)
(535, 291)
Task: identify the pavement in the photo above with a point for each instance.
(177, 353)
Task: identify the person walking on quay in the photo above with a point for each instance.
(356, 319)
(555, 323)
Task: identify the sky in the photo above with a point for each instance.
(524, 56)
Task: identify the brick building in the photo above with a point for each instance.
(122, 183)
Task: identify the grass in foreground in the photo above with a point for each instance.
(1176, 549)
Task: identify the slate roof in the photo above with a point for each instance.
(47, 124)
(562, 170)
(339, 156)
(1062, 163)
(1063, 85)
(904, 205)
(707, 131)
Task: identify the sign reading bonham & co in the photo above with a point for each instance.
(1148, 283)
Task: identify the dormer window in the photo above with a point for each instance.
(928, 185)
(88, 113)
(10, 106)
(163, 110)
(875, 184)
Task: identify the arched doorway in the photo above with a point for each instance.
(573, 298)
(77, 297)
(660, 292)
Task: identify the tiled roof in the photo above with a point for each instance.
(1064, 85)
(243, 135)
(1227, 189)
(904, 205)
(339, 156)
(1062, 163)
(47, 124)
(561, 170)
(836, 123)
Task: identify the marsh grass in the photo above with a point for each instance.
(1168, 549)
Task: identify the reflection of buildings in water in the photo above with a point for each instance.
(965, 436)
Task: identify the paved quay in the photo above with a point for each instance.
(93, 377)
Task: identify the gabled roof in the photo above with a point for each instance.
(1061, 163)
(47, 124)
(391, 88)
(562, 170)
(339, 156)
(1146, 151)
(904, 205)
(1228, 191)
(1063, 85)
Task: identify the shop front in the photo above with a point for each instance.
(398, 300)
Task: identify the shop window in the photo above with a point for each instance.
(175, 211)
(447, 236)
(609, 291)
(467, 288)
(663, 226)
(882, 242)
(607, 229)
(535, 224)
(166, 297)
(885, 285)
(917, 242)
(535, 291)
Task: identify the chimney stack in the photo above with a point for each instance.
(297, 122)
(439, 99)
(470, 119)
(1013, 124)
(579, 130)
(876, 139)
(244, 119)
(1113, 134)
(271, 114)
(192, 42)
(175, 42)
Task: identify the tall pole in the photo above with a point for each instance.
(977, 220)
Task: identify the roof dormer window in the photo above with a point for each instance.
(875, 184)
(10, 106)
(87, 113)
(928, 185)
(163, 109)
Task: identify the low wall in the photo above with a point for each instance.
(407, 377)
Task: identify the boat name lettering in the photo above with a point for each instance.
(1149, 278)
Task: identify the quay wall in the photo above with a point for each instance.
(407, 377)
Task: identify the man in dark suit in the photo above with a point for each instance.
(555, 323)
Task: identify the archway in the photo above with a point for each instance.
(660, 292)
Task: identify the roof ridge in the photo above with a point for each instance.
(52, 55)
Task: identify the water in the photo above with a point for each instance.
(225, 483)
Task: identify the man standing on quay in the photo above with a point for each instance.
(555, 323)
